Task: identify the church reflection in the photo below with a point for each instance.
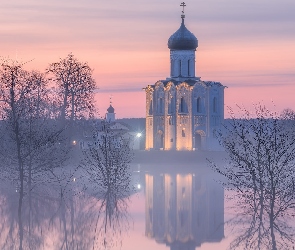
(183, 210)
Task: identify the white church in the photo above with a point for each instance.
(183, 112)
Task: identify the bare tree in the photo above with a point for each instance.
(107, 164)
(288, 114)
(261, 172)
(75, 87)
(31, 147)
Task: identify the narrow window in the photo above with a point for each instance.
(214, 105)
(151, 108)
(199, 104)
(171, 106)
(161, 106)
(179, 67)
(183, 132)
(188, 66)
(181, 105)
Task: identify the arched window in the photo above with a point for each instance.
(199, 104)
(161, 106)
(151, 108)
(171, 122)
(182, 106)
(171, 106)
(198, 141)
(183, 132)
(214, 104)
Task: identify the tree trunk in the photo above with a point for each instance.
(65, 102)
(271, 215)
(20, 203)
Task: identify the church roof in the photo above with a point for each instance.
(183, 39)
(111, 109)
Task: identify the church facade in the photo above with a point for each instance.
(183, 112)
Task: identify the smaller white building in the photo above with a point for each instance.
(118, 131)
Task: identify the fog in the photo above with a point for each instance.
(181, 206)
(70, 180)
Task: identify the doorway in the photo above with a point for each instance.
(198, 141)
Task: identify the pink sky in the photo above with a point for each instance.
(247, 45)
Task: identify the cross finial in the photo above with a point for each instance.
(182, 5)
(111, 99)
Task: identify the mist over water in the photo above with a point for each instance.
(180, 206)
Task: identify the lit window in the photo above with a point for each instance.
(183, 132)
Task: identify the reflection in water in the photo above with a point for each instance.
(107, 167)
(53, 218)
(63, 216)
(183, 210)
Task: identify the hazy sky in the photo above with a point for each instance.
(248, 45)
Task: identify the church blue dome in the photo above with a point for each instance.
(111, 109)
(183, 39)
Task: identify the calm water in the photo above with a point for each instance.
(178, 207)
(169, 207)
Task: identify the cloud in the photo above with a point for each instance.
(119, 90)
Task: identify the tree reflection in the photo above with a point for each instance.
(37, 213)
(40, 199)
(260, 173)
(109, 177)
(84, 208)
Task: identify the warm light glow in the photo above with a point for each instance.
(254, 59)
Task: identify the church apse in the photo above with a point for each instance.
(182, 111)
(183, 210)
